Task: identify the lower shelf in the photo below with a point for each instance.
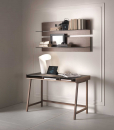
(66, 49)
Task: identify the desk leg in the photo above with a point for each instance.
(41, 93)
(28, 97)
(76, 97)
(87, 96)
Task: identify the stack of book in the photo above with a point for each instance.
(44, 44)
(75, 24)
(54, 29)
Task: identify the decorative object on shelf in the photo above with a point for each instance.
(56, 28)
(44, 44)
(42, 61)
(58, 39)
(49, 45)
(64, 24)
(52, 70)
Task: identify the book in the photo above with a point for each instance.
(69, 26)
(45, 42)
(79, 24)
(72, 24)
(42, 45)
(83, 24)
(54, 29)
(75, 24)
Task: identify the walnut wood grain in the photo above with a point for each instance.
(68, 32)
(81, 110)
(79, 41)
(82, 79)
(76, 98)
(87, 97)
(47, 25)
(34, 103)
(78, 80)
(59, 102)
(28, 96)
(75, 41)
(41, 93)
(64, 103)
(77, 49)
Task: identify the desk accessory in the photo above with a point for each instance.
(42, 61)
(52, 70)
(69, 75)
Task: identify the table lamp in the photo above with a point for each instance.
(42, 61)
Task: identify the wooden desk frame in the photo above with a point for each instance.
(77, 81)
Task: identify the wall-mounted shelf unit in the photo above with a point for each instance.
(82, 43)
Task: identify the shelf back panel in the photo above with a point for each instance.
(47, 25)
(76, 41)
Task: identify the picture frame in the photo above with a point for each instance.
(58, 39)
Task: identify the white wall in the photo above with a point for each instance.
(10, 52)
(34, 13)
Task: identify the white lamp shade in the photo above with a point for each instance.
(42, 61)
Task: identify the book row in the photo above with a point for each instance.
(77, 24)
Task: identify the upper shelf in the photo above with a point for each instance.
(47, 25)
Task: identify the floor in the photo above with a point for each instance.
(51, 118)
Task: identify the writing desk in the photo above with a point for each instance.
(58, 78)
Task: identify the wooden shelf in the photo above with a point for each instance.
(83, 43)
(66, 49)
(47, 25)
(71, 32)
(63, 30)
